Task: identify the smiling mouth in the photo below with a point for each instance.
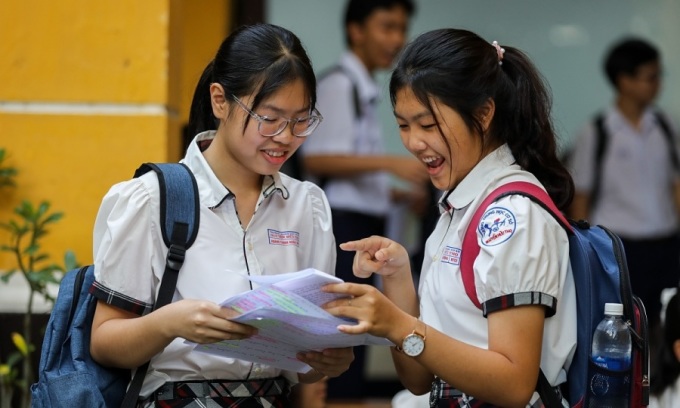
(433, 162)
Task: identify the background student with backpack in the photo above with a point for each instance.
(626, 172)
(248, 121)
(477, 116)
(347, 156)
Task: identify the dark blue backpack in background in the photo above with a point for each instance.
(68, 377)
(600, 273)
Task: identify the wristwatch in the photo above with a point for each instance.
(414, 344)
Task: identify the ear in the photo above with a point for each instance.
(218, 100)
(355, 33)
(485, 113)
(676, 349)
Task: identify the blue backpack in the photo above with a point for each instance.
(68, 377)
(600, 273)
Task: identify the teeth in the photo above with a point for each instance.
(273, 153)
(429, 159)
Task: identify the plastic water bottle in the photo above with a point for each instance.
(612, 350)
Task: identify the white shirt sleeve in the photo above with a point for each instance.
(528, 253)
(125, 245)
(324, 245)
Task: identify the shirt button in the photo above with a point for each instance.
(250, 246)
(257, 370)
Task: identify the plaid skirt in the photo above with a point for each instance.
(445, 396)
(268, 393)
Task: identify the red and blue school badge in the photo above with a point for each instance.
(497, 226)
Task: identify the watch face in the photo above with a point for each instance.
(413, 345)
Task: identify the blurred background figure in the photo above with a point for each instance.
(346, 156)
(665, 379)
(626, 172)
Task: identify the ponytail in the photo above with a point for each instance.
(527, 127)
(201, 115)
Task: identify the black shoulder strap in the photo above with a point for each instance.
(668, 133)
(179, 225)
(358, 112)
(601, 141)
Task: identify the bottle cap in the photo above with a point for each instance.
(613, 309)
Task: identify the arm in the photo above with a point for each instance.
(579, 206)
(123, 339)
(340, 165)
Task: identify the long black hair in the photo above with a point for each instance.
(259, 58)
(666, 367)
(462, 70)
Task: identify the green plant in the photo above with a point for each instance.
(26, 232)
(9, 375)
(32, 263)
(7, 174)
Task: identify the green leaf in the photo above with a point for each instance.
(54, 217)
(70, 261)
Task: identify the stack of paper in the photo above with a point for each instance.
(286, 310)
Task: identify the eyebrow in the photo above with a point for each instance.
(282, 111)
(415, 117)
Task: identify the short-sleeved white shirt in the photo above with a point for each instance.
(130, 255)
(636, 184)
(530, 265)
(343, 133)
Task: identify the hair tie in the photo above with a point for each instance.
(499, 51)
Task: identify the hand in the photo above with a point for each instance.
(374, 312)
(409, 169)
(377, 255)
(204, 322)
(329, 362)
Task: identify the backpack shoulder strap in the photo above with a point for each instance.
(601, 141)
(179, 225)
(668, 133)
(470, 245)
(471, 249)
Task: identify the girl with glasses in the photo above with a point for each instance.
(252, 109)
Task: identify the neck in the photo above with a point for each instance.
(231, 174)
(631, 110)
(364, 61)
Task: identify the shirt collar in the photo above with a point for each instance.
(618, 122)
(211, 191)
(479, 177)
(368, 88)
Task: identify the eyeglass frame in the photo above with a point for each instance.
(261, 118)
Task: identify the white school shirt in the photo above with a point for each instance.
(636, 183)
(290, 230)
(529, 264)
(342, 133)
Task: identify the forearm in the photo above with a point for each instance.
(128, 342)
(579, 209)
(462, 366)
(345, 165)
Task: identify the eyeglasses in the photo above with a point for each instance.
(269, 127)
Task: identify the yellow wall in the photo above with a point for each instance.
(89, 90)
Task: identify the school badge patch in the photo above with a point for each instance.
(283, 237)
(451, 255)
(497, 226)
